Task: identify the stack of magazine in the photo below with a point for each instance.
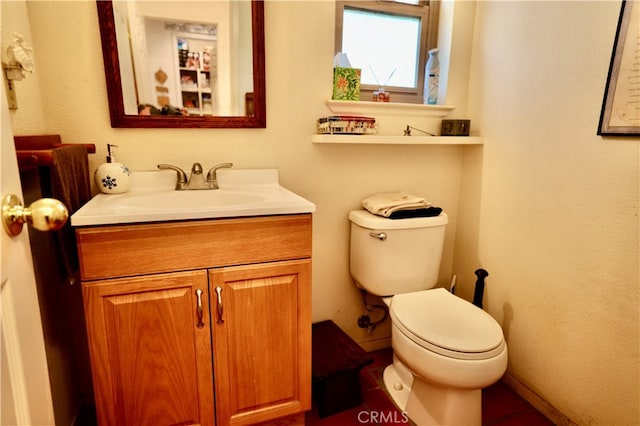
(346, 125)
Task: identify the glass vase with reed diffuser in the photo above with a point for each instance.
(381, 95)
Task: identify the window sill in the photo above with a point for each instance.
(368, 108)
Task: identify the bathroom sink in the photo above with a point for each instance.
(198, 199)
(242, 193)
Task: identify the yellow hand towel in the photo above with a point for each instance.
(385, 204)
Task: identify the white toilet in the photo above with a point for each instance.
(445, 349)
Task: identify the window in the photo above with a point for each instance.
(388, 40)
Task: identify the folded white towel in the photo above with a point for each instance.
(386, 203)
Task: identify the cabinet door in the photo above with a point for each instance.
(150, 346)
(261, 324)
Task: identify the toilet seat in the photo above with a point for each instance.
(446, 324)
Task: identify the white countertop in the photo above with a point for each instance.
(153, 198)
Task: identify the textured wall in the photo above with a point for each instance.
(550, 209)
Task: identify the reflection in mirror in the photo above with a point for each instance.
(184, 64)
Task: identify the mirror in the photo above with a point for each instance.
(201, 78)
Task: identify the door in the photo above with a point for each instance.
(150, 344)
(261, 321)
(25, 392)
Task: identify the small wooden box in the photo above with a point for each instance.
(336, 362)
(455, 127)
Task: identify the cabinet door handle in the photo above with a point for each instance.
(199, 310)
(219, 305)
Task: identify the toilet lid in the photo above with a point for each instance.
(446, 324)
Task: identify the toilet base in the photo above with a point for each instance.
(398, 385)
(430, 404)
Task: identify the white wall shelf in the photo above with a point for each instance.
(392, 118)
(397, 140)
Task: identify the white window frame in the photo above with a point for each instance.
(426, 10)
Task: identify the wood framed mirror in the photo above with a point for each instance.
(212, 104)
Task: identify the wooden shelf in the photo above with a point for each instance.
(397, 140)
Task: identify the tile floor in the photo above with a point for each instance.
(500, 405)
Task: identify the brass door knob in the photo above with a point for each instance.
(45, 214)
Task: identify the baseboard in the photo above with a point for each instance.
(537, 401)
(376, 344)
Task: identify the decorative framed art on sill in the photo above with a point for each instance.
(620, 114)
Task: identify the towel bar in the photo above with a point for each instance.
(36, 151)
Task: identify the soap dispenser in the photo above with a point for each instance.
(112, 177)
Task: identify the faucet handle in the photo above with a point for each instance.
(181, 178)
(212, 178)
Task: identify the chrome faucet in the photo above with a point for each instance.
(196, 179)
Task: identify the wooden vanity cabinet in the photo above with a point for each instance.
(225, 339)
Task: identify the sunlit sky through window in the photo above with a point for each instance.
(379, 43)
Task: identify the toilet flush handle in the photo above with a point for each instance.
(379, 235)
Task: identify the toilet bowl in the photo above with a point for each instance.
(445, 348)
(445, 351)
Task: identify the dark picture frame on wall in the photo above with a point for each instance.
(620, 114)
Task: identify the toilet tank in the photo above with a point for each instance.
(394, 256)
